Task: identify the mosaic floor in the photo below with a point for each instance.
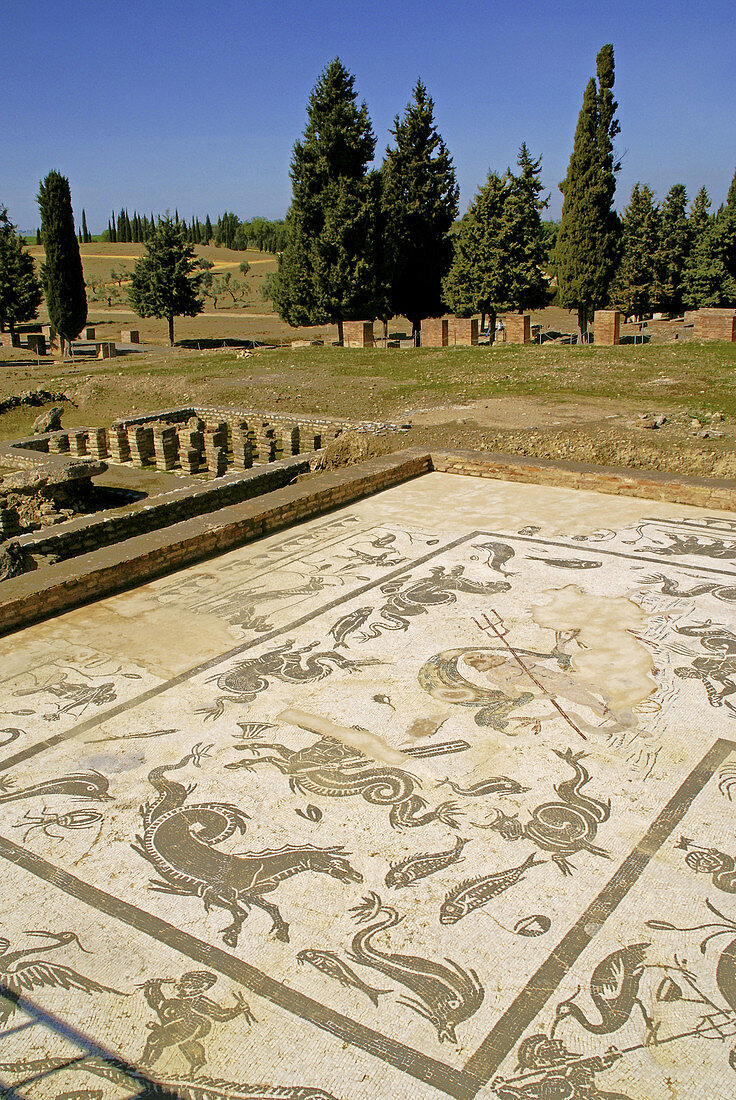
(434, 795)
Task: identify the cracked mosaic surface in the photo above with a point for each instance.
(431, 796)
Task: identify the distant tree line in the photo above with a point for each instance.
(228, 231)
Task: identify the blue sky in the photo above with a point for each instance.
(184, 104)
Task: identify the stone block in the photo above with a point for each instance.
(712, 324)
(518, 328)
(464, 331)
(435, 332)
(607, 323)
(130, 336)
(357, 334)
(106, 349)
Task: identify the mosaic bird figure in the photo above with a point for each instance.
(614, 990)
(19, 973)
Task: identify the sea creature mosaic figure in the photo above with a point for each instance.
(19, 973)
(186, 1018)
(332, 966)
(561, 827)
(89, 785)
(717, 670)
(547, 1070)
(446, 995)
(245, 680)
(408, 871)
(407, 600)
(180, 841)
(335, 770)
(476, 892)
(710, 861)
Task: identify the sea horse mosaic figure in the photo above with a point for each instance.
(335, 770)
(180, 842)
(561, 827)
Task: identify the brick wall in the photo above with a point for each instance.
(715, 324)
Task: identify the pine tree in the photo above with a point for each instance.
(674, 245)
(710, 273)
(20, 290)
(500, 247)
(586, 250)
(166, 279)
(61, 273)
(419, 206)
(636, 286)
(329, 271)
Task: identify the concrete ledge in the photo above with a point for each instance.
(56, 588)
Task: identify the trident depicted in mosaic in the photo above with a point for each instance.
(495, 624)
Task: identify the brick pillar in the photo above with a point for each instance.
(189, 458)
(118, 444)
(106, 349)
(165, 446)
(607, 326)
(9, 524)
(140, 439)
(242, 449)
(518, 328)
(435, 332)
(357, 334)
(465, 331)
(58, 443)
(713, 324)
(78, 443)
(37, 343)
(97, 442)
(290, 439)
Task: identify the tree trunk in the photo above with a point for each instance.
(171, 329)
(583, 323)
(482, 320)
(416, 330)
(340, 332)
(385, 332)
(491, 326)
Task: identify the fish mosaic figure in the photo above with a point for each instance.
(90, 785)
(410, 870)
(446, 995)
(495, 784)
(180, 841)
(473, 893)
(332, 966)
(348, 624)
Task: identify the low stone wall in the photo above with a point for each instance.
(46, 592)
(650, 484)
(90, 532)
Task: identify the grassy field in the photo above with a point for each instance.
(581, 403)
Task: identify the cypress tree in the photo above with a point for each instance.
(636, 285)
(166, 279)
(419, 206)
(20, 290)
(207, 230)
(674, 245)
(61, 273)
(586, 249)
(86, 235)
(38, 236)
(710, 274)
(113, 229)
(328, 271)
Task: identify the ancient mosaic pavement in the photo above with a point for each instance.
(431, 796)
